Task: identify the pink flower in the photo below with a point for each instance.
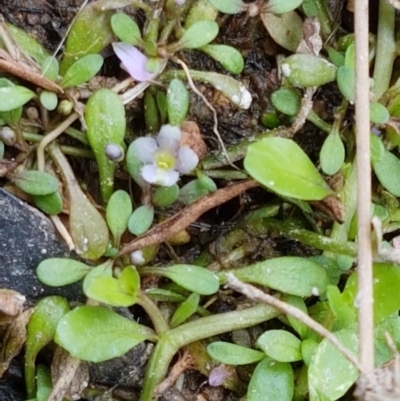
(133, 61)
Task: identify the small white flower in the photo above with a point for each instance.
(163, 158)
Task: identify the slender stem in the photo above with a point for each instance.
(199, 329)
(314, 118)
(365, 291)
(160, 325)
(51, 136)
(386, 48)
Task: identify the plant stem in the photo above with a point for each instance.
(205, 327)
(160, 325)
(382, 75)
(386, 49)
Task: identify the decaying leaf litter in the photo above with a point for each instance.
(278, 125)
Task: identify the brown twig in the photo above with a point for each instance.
(187, 216)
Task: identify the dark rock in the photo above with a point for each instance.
(27, 237)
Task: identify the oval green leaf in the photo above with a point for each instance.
(346, 79)
(40, 331)
(283, 167)
(56, 272)
(305, 70)
(165, 196)
(285, 29)
(141, 219)
(229, 6)
(119, 209)
(271, 380)
(289, 274)
(50, 68)
(51, 204)
(193, 278)
(332, 154)
(287, 101)
(199, 34)
(228, 56)
(49, 100)
(82, 70)
(280, 345)
(387, 169)
(125, 28)
(232, 354)
(379, 114)
(97, 343)
(328, 361)
(105, 120)
(177, 102)
(12, 97)
(35, 182)
(280, 7)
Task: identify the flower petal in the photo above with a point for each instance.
(154, 175)
(187, 160)
(133, 60)
(145, 148)
(169, 138)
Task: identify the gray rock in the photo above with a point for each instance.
(27, 237)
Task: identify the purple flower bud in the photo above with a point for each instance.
(218, 375)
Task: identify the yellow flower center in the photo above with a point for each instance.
(164, 159)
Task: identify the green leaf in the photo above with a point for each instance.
(27, 43)
(329, 362)
(49, 100)
(305, 70)
(299, 303)
(285, 29)
(151, 112)
(126, 29)
(280, 7)
(308, 347)
(102, 270)
(141, 219)
(106, 334)
(50, 68)
(387, 169)
(280, 345)
(82, 70)
(192, 191)
(289, 274)
(386, 285)
(201, 10)
(346, 79)
(332, 154)
(344, 313)
(199, 34)
(165, 196)
(379, 114)
(377, 148)
(51, 204)
(108, 290)
(134, 165)
(229, 6)
(90, 34)
(271, 380)
(12, 97)
(193, 278)
(232, 354)
(56, 272)
(40, 331)
(185, 310)
(119, 209)
(35, 182)
(228, 56)
(177, 102)
(287, 101)
(106, 123)
(283, 167)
